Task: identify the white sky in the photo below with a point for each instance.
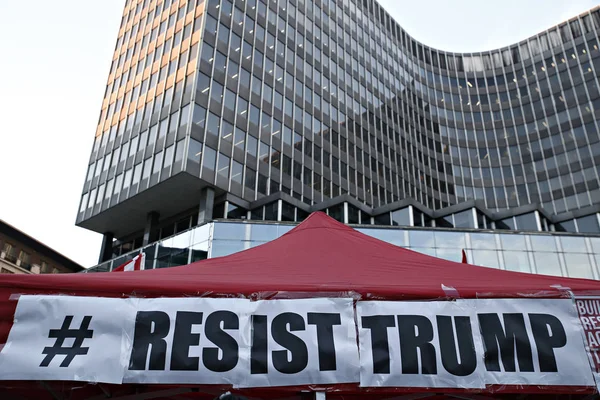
(54, 60)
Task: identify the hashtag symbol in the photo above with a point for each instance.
(65, 332)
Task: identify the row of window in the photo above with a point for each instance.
(218, 97)
(561, 255)
(24, 260)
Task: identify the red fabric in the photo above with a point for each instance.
(320, 257)
(464, 257)
(135, 264)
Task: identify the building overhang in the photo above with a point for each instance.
(167, 198)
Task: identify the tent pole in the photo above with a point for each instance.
(104, 390)
(320, 396)
(149, 395)
(54, 395)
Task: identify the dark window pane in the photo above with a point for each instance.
(527, 222)
(401, 217)
(588, 224)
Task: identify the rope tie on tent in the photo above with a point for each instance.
(450, 291)
(229, 396)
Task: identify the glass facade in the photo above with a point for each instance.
(309, 102)
(569, 255)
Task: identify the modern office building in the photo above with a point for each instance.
(22, 254)
(269, 110)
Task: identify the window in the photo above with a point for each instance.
(226, 131)
(258, 59)
(223, 34)
(513, 242)
(203, 84)
(220, 62)
(163, 126)
(256, 86)
(250, 180)
(24, 259)
(185, 115)
(216, 94)
(588, 224)
(206, 56)
(242, 109)
(137, 174)
(213, 124)
(45, 268)
(169, 151)
(401, 217)
(223, 167)
(254, 115)
(199, 116)
(127, 178)
(239, 138)
(9, 252)
(263, 152)
(578, 266)
(252, 145)
(516, 261)
(236, 44)
(194, 151)
(209, 159)
(236, 172)
(527, 222)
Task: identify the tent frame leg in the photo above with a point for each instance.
(105, 391)
(149, 395)
(471, 397)
(54, 395)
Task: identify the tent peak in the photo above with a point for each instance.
(320, 220)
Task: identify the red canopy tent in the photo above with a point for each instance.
(320, 257)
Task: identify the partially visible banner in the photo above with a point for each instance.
(471, 343)
(589, 315)
(68, 338)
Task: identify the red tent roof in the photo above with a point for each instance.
(319, 256)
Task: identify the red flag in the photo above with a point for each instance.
(464, 257)
(136, 264)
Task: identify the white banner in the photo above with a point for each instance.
(588, 309)
(182, 340)
(511, 342)
(532, 342)
(189, 340)
(298, 342)
(459, 344)
(68, 338)
(419, 344)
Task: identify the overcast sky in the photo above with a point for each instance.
(55, 57)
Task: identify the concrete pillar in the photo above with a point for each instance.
(475, 219)
(151, 224)
(106, 249)
(207, 203)
(279, 209)
(345, 216)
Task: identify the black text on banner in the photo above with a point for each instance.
(471, 343)
(182, 340)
